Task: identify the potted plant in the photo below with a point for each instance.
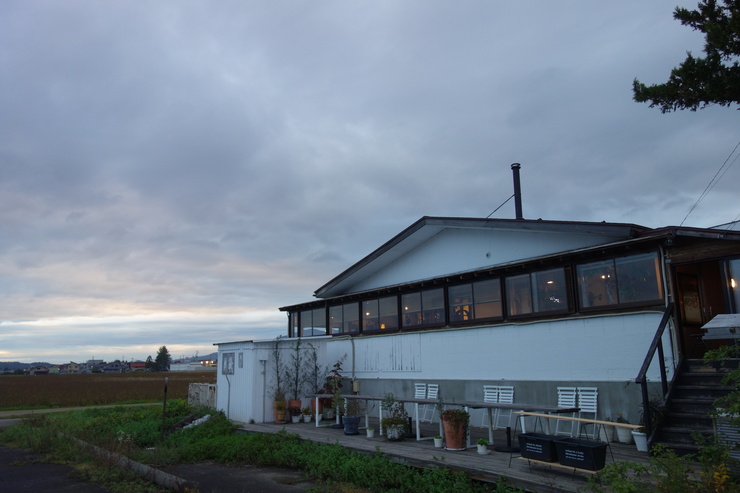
(438, 441)
(396, 418)
(623, 434)
(352, 413)
(538, 446)
(455, 423)
(317, 378)
(332, 384)
(337, 400)
(370, 432)
(606, 432)
(306, 411)
(279, 408)
(656, 415)
(640, 438)
(581, 453)
(482, 444)
(295, 414)
(278, 392)
(294, 375)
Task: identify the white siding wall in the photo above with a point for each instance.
(458, 250)
(596, 349)
(604, 350)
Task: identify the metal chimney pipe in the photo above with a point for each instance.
(517, 191)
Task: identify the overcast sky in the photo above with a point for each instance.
(173, 172)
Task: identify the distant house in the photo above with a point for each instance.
(91, 366)
(72, 368)
(194, 364)
(113, 367)
(137, 366)
(38, 370)
(533, 304)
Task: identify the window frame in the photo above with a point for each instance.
(427, 315)
(472, 302)
(611, 268)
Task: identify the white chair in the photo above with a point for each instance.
(588, 403)
(420, 391)
(567, 397)
(490, 394)
(505, 396)
(432, 393)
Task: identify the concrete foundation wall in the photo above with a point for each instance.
(202, 394)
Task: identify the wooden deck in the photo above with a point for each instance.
(523, 474)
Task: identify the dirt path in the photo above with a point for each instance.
(23, 471)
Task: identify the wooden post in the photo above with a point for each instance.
(164, 406)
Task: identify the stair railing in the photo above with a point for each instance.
(656, 345)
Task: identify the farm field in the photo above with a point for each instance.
(45, 391)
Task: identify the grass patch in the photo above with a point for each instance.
(136, 432)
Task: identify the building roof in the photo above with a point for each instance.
(623, 235)
(428, 227)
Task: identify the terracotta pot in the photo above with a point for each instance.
(323, 403)
(454, 435)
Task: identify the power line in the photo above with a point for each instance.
(717, 176)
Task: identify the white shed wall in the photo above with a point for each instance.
(241, 394)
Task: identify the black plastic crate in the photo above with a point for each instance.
(581, 453)
(538, 446)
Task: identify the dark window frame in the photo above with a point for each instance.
(572, 291)
(613, 288)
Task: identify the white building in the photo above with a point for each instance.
(464, 302)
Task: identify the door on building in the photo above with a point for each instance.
(701, 296)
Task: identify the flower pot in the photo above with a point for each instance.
(296, 419)
(439, 442)
(395, 432)
(351, 425)
(324, 402)
(307, 418)
(606, 433)
(454, 435)
(482, 449)
(624, 434)
(538, 446)
(581, 453)
(640, 440)
(370, 432)
(278, 410)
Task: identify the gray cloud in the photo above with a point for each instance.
(173, 173)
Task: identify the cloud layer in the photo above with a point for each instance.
(171, 173)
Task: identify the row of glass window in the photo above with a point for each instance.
(613, 282)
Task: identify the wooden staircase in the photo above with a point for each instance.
(689, 404)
